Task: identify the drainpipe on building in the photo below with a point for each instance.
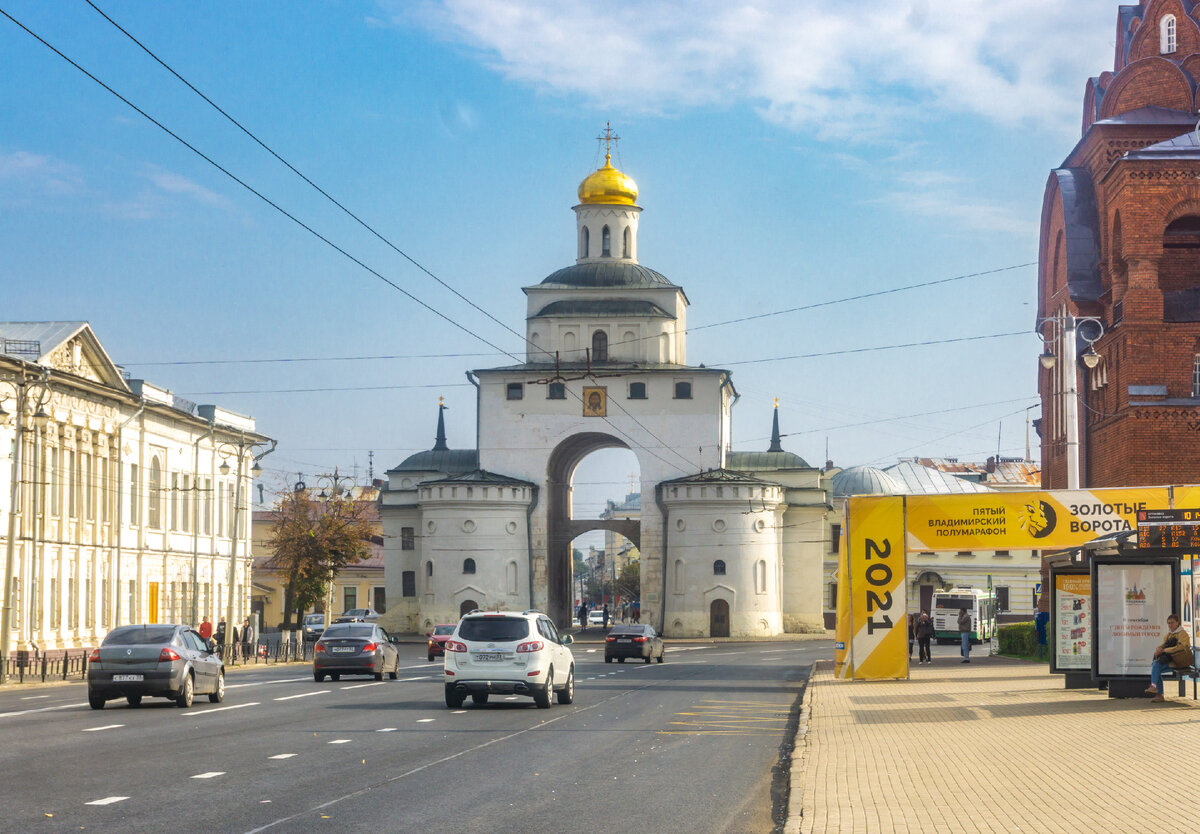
(121, 508)
(196, 523)
(662, 508)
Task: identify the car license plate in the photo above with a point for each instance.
(126, 678)
(489, 658)
(625, 640)
(342, 650)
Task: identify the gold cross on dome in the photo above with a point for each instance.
(608, 137)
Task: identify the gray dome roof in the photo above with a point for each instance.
(607, 274)
(865, 480)
(603, 307)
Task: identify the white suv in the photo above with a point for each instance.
(510, 653)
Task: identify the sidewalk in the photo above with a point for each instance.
(997, 745)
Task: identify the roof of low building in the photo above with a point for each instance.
(1184, 146)
(479, 476)
(865, 480)
(764, 461)
(602, 307)
(924, 480)
(719, 476)
(448, 461)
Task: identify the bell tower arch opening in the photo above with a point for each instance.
(569, 520)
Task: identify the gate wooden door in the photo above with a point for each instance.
(718, 618)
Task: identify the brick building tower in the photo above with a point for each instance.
(1119, 267)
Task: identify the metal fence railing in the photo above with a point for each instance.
(72, 665)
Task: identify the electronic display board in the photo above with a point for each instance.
(1169, 529)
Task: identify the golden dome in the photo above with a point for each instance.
(608, 186)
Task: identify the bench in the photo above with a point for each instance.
(1182, 674)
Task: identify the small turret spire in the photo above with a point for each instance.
(439, 444)
(775, 444)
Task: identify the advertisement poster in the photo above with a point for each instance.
(1034, 520)
(875, 634)
(1073, 622)
(1133, 602)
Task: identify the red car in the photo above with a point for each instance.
(438, 638)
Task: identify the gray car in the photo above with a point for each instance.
(355, 649)
(156, 661)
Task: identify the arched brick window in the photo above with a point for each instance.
(1166, 34)
(599, 346)
(719, 567)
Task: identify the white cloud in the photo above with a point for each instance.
(940, 196)
(833, 69)
(180, 185)
(39, 175)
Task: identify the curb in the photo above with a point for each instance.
(795, 814)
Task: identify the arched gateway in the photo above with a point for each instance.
(606, 366)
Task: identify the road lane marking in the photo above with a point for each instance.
(212, 774)
(282, 756)
(218, 709)
(386, 730)
(34, 697)
(41, 709)
(418, 678)
(340, 741)
(425, 720)
(303, 695)
(459, 712)
(361, 685)
(108, 800)
(105, 727)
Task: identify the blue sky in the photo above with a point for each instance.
(787, 154)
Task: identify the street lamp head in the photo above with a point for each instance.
(256, 470)
(41, 418)
(224, 467)
(1047, 359)
(4, 415)
(1091, 358)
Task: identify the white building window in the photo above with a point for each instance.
(626, 250)
(760, 576)
(583, 242)
(605, 243)
(1166, 34)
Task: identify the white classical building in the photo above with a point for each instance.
(731, 542)
(122, 511)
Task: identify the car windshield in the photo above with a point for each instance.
(314, 618)
(139, 635)
(447, 629)
(351, 631)
(495, 629)
(358, 612)
(628, 630)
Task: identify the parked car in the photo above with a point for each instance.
(596, 617)
(358, 615)
(355, 649)
(636, 641)
(155, 661)
(438, 638)
(314, 624)
(511, 654)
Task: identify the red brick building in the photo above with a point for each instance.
(1120, 242)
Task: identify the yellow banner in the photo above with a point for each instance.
(1033, 520)
(876, 639)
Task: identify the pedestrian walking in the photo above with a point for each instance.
(582, 616)
(964, 631)
(219, 634)
(1175, 651)
(912, 633)
(924, 635)
(247, 638)
(637, 611)
(205, 630)
(606, 616)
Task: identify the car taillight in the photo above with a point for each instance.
(639, 639)
(320, 647)
(531, 646)
(455, 646)
(610, 639)
(94, 657)
(167, 655)
(370, 647)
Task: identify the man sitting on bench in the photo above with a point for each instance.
(1175, 651)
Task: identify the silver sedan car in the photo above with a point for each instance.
(156, 661)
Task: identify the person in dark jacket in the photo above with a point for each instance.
(582, 616)
(964, 631)
(924, 635)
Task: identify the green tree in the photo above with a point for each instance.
(311, 542)
(629, 580)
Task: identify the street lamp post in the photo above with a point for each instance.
(331, 488)
(239, 452)
(1065, 330)
(31, 390)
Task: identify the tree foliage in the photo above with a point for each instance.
(312, 541)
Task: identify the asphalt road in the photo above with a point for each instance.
(688, 745)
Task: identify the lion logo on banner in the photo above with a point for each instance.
(1037, 518)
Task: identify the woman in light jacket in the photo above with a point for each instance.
(1175, 651)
